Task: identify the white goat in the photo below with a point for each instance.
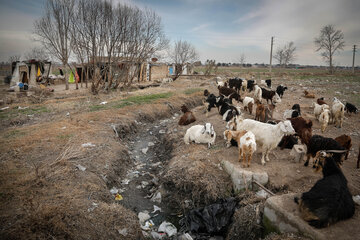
(276, 99)
(257, 93)
(337, 112)
(219, 82)
(319, 108)
(200, 134)
(324, 119)
(244, 85)
(248, 104)
(267, 135)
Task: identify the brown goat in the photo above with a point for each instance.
(321, 101)
(345, 142)
(187, 118)
(260, 112)
(270, 110)
(308, 94)
(303, 128)
(243, 150)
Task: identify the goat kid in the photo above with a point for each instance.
(201, 134)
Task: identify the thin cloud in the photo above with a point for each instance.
(200, 27)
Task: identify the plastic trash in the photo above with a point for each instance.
(144, 150)
(148, 225)
(123, 232)
(86, 145)
(168, 228)
(185, 236)
(156, 197)
(156, 235)
(82, 168)
(118, 197)
(211, 219)
(143, 217)
(356, 199)
(21, 108)
(103, 103)
(4, 108)
(114, 190)
(262, 193)
(156, 208)
(150, 144)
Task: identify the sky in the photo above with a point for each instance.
(219, 29)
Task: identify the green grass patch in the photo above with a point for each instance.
(192, 90)
(15, 112)
(134, 100)
(14, 134)
(64, 136)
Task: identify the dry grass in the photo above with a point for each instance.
(197, 180)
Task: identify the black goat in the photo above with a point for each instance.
(226, 109)
(350, 108)
(288, 142)
(229, 92)
(318, 143)
(297, 108)
(268, 95)
(235, 83)
(268, 82)
(210, 102)
(250, 85)
(280, 90)
(329, 200)
(206, 93)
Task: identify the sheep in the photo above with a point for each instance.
(229, 92)
(296, 107)
(187, 118)
(257, 93)
(260, 114)
(303, 128)
(329, 200)
(318, 143)
(280, 90)
(350, 108)
(345, 142)
(246, 144)
(308, 94)
(270, 95)
(319, 108)
(320, 101)
(248, 103)
(337, 112)
(201, 134)
(267, 136)
(324, 119)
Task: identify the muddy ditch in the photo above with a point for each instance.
(147, 190)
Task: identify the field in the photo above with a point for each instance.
(45, 192)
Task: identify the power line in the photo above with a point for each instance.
(272, 42)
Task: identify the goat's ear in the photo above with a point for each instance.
(204, 129)
(282, 127)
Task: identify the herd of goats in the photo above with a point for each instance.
(329, 200)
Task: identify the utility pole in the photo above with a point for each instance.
(354, 50)
(272, 41)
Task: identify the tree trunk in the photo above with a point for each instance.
(331, 67)
(66, 76)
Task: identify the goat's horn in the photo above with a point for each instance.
(336, 151)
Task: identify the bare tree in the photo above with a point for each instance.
(242, 59)
(286, 54)
(330, 41)
(36, 53)
(53, 30)
(279, 55)
(182, 53)
(210, 66)
(14, 58)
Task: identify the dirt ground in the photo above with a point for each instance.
(44, 193)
